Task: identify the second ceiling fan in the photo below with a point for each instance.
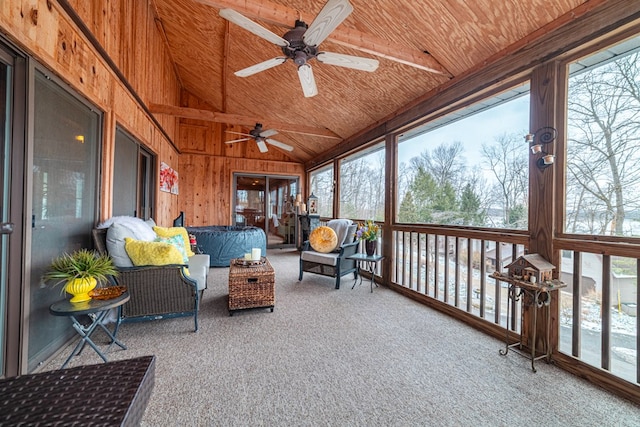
(262, 138)
(301, 44)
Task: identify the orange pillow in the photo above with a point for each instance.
(323, 239)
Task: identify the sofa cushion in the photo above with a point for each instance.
(323, 239)
(199, 269)
(320, 258)
(175, 231)
(151, 253)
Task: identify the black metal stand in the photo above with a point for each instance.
(370, 262)
(95, 310)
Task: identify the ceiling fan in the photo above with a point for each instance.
(262, 138)
(301, 44)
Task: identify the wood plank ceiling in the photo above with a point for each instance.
(450, 36)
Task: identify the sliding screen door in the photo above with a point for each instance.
(64, 199)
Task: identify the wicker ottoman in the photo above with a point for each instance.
(251, 286)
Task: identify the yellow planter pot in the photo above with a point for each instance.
(80, 289)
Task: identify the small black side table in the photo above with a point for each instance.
(370, 262)
(96, 310)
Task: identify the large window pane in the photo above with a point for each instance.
(468, 168)
(362, 185)
(603, 141)
(322, 187)
(65, 158)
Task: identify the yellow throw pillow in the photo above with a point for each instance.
(151, 253)
(323, 239)
(175, 231)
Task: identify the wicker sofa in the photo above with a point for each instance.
(159, 291)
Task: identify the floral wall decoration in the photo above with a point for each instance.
(168, 179)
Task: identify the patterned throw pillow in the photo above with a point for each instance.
(175, 231)
(323, 239)
(178, 242)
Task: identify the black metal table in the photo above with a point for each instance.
(95, 311)
(370, 262)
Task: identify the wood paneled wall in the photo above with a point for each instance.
(207, 166)
(126, 32)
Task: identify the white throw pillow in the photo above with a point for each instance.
(115, 245)
(140, 229)
(121, 227)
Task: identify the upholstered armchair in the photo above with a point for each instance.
(333, 263)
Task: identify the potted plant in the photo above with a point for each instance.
(369, 233)
(82, 271)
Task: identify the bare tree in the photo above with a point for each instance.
(508, 161)
(362, 187)
(445, 163)
(602, 145)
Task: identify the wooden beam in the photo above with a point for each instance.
(237, 119)
(283, 16)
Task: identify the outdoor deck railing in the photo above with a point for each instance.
(598, 316)
(454, 270)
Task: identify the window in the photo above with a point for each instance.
(132, 177)
(322, 188)
(362, 184)
(469, 167)
(603, 141)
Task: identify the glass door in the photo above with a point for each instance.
(250, 201)
(6, 227)
(283, 211)
(268, 202)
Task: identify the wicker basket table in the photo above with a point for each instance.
(251, 286)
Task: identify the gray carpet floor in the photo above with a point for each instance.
(346, 357)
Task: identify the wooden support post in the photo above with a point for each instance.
(542, 194)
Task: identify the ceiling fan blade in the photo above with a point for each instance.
(249, 25)
(238, 133)
(237, 140)
(267, 133)
(262, 146)
(331, 15)
(308, 82)
(254, 69)
(279, 144)
(349, 61)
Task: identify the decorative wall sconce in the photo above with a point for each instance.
(537, 141)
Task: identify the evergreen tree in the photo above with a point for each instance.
(407, 212)
(471, 207)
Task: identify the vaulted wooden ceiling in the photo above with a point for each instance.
(420, 45)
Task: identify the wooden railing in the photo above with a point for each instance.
(454, 269)
(597, 318)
